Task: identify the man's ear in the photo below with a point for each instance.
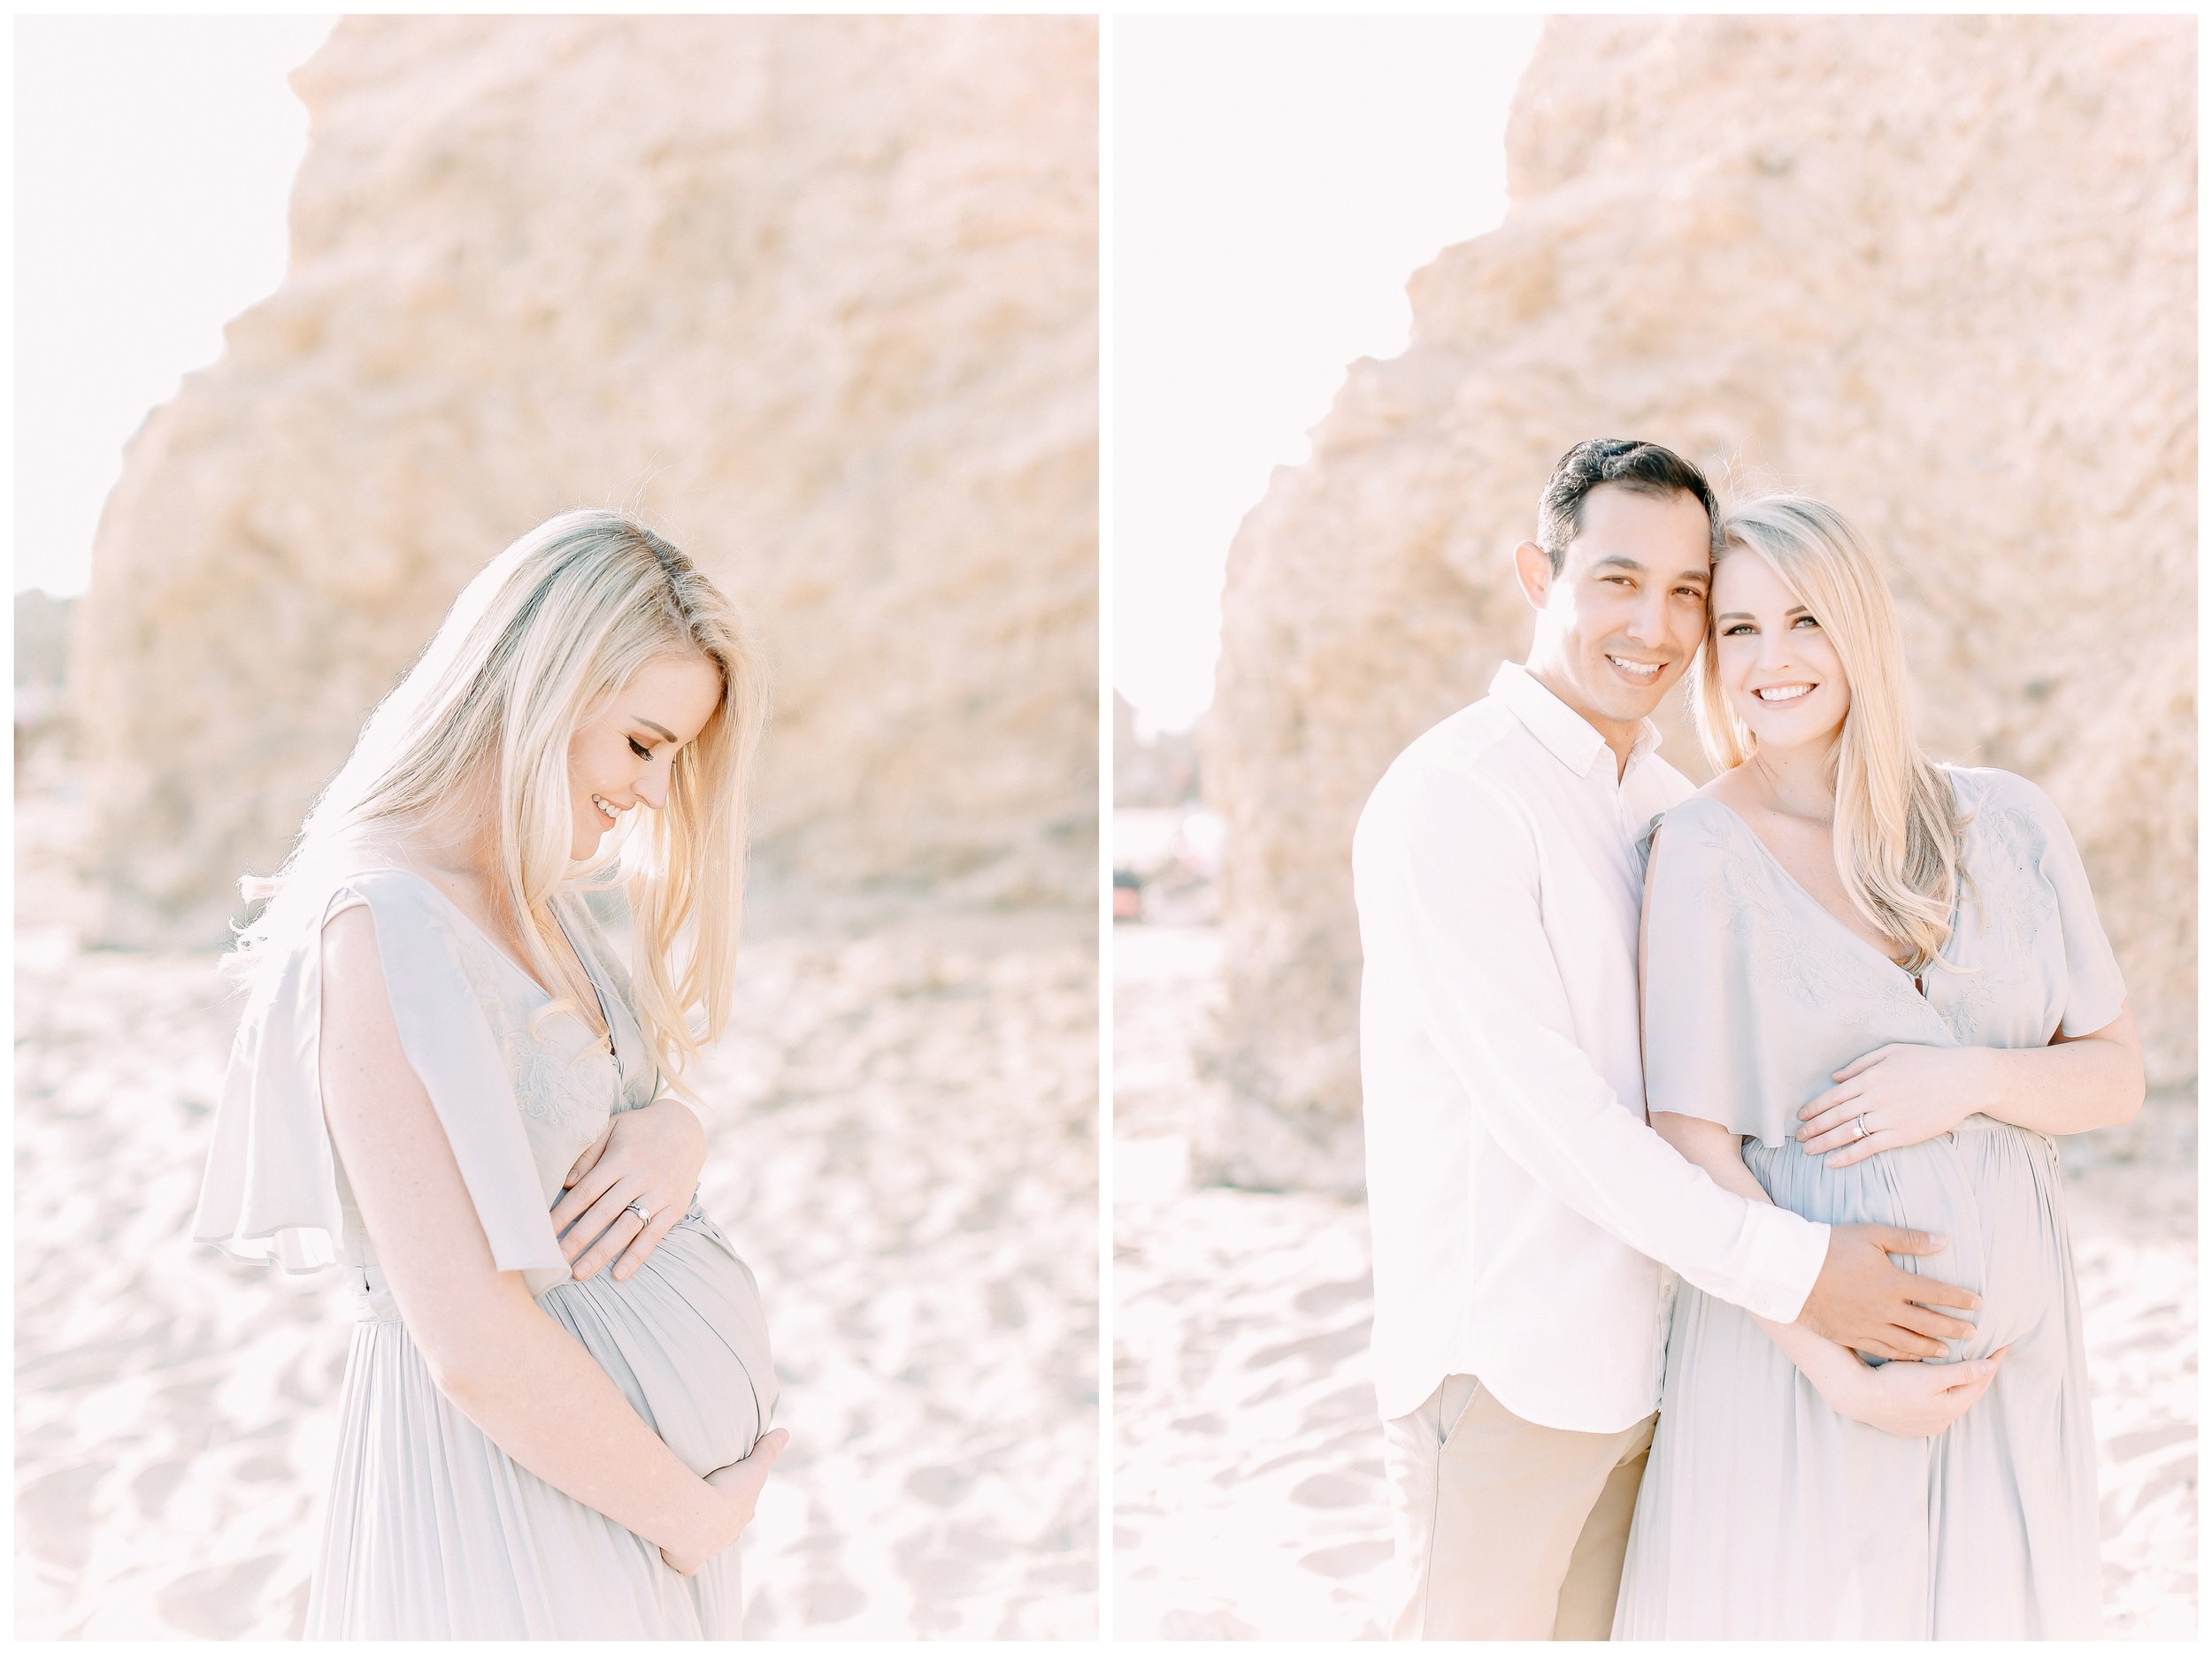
(1531, 566)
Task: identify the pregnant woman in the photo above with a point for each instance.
(1873, 987)
(446, 1082)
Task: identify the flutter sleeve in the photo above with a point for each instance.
(1707, 1036)
(2094, 993)
(270, 1194)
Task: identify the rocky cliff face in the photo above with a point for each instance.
(1941, 271)
(817, 294)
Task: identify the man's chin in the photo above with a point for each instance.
(1630, 703)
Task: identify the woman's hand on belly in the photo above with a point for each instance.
(739, 1486)
(650, 1156)
(1912, 1399)
(1906, 1094)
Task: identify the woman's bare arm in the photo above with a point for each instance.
(1907, 1094)
(2075, 1083)
(503, 1362)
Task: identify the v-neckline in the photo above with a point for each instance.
(1798, 885)
(611, 1045)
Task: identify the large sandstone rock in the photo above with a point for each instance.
(819, 294)
(1940, 271)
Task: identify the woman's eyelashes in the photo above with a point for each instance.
(1745, 628)
(642, 751)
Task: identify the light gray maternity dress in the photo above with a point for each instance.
(431, 1530)
(1765, 1514)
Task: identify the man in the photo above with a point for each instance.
(1528, 1221)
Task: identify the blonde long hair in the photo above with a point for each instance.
(535, 646)
(1897, 827)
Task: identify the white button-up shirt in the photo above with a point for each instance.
(1526, 1218)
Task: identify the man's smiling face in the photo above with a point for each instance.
(1619, 623)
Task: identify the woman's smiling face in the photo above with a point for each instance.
(622, 757)
(1780, 673)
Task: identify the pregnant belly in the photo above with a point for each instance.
(685, 1339)
(1991, 1189)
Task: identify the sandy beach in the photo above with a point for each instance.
(904, 1151)
(1248, 1493)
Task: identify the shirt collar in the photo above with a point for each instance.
(1570, 737)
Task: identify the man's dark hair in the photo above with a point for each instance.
(1645, 467)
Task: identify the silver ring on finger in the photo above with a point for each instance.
(644, 1213)
(1861, 1125)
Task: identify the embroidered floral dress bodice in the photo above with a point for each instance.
(2013, 969)
(566, 1084)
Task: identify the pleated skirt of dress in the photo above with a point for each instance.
(433, 1532)
(1765, 1514)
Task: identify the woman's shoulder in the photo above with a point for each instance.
(1689, 840)
(417, 928)
(1706, 817)
(395, 895)
(2001, 798)
(346, 923)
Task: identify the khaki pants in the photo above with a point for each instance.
(1506, 1529)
